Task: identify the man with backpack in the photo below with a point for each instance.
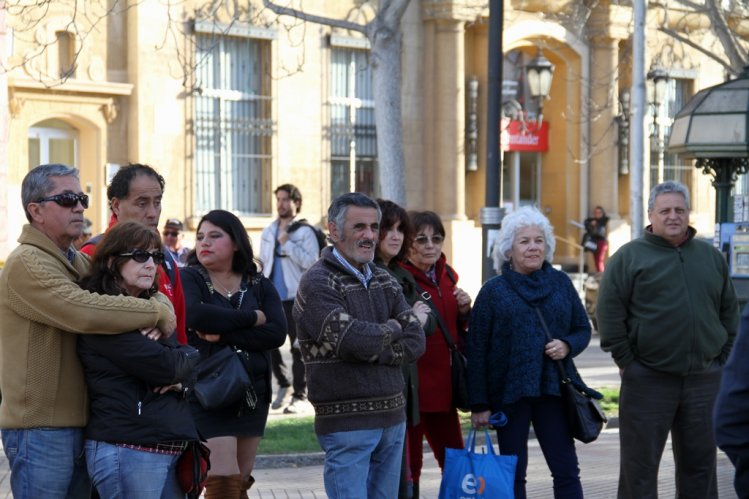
(289, 247)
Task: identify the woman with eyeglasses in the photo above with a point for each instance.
(140, 422)
(229, 302)
(436, 282)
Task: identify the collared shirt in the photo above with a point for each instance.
(364, 277)
(70, 254)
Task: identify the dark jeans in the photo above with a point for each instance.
(278, 366)
(652, 404)
(554, 437)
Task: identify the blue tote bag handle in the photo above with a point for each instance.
(468, 474)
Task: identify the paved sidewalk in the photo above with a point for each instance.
(599, 464)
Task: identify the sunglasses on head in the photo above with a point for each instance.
(68, 200)
(172, 233)
(142, 256)
(422, 240)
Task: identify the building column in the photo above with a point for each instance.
(448, 106)
(603, 109)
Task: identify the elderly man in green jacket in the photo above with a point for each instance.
(44, 404)
(668, 313)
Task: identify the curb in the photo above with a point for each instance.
(275, 461)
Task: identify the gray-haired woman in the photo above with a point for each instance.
(511, 363)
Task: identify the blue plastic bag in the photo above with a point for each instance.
(469, 475)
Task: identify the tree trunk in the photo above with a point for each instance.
(386, 78)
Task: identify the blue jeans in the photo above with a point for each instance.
(121, 472)
(363, 463)
(46, 462)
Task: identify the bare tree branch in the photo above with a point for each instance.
(725, 35)
(336, 23)
(697, 47)
(392, 11)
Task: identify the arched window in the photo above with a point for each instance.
(53, 141)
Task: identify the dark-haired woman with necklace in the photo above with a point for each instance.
(140, 422)
(396, 236)
(229, 302)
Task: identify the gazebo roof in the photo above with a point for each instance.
(715, 122)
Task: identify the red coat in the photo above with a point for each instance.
(435, 383)
(172, 290)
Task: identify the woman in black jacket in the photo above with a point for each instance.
(140, 421)
(229, 302)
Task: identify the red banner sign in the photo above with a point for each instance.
(525, 136)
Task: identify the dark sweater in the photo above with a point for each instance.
(672, 308)
(353, 341)
(506, 359)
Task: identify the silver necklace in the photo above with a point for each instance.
(227, 292)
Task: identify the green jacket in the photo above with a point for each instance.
(671, 308)
(41, 305)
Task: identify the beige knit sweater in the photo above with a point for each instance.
(41, 306)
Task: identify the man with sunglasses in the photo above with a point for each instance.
(135, 194)
(44, 404)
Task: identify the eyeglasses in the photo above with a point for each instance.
(170, 233)
(142, 256)
(68, 200)
(422, 240)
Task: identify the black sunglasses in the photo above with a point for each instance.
(142, 256)
(68, 200)
(168, 233)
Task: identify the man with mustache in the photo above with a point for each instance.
(355, 330)
(44, 402)
(667, 312)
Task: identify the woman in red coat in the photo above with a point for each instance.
(438, 418)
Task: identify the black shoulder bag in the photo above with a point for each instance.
(583, 413)
(458, 363)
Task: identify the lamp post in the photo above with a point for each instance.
(539, 72)
(712, 128)
(491, 214)
(658, 80)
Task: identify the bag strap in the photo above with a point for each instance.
(471, 442)
(559, 364)
(440, 322)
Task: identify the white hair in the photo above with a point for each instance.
(527, 216)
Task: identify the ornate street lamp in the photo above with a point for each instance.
(657, 82)
(539, 72)
(712, 127)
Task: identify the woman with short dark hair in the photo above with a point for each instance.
(140, 422)
(437, 282)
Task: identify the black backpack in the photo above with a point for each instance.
(322, 239)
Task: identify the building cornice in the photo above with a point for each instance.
(454, 10)
(72, 86)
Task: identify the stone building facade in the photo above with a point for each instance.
(228, 101)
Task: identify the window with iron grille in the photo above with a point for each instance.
(232, 124)
(353, 140)
(672, 167)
